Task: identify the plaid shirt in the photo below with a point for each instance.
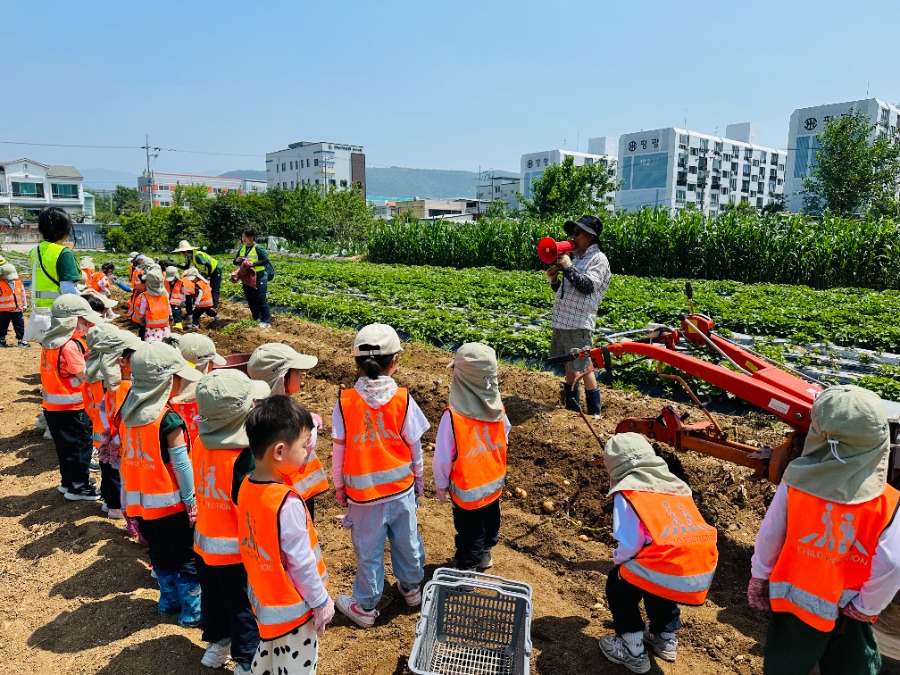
(572, 309)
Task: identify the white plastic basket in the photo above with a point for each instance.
(473, 624)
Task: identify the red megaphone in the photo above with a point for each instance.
(549, 250)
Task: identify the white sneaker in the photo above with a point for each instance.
(665, 649)
(413, 598)
(216, 653)
(62, 489)
(614, 649)
(263, 324)
(353, 611)
(48, 435)
(40, 423)
(104, 507)
(241, 669)
(487, 560)
(116, 514)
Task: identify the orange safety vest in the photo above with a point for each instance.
(113, 403)
(92, 393)
(278, 605)
(827, 554)
(137, 287)
(310, 480)
(57, 392)
(479, 468)
(190, 288)
(176, 293)
(150, 486)
(12, 296)
(680, 561)
(377, 461)
(216, 531)
(206, 299)
(157, 311)
(188, 411)
(94, 280)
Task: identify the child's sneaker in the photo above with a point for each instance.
(265, 324)
(24, 343)
(62, 489)
(3, 343)
(48, 435)
(86, 493)
(115, 514)
(353, 611)
(216, 653)
(487, 561)
(413, 597)
(241, 669)
(664, 648)
(104, 507)
(615, 649)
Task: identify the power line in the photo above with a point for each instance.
(129, 147)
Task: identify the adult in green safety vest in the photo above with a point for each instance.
(205, 263)
(54, 269)
(256, 297)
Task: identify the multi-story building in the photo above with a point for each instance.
(498, 187)
(534, 164)
(317, 163)
(162, 185)
(31, 185)
(803, 137)
(436, 208)
(676, 169)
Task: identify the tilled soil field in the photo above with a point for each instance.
(78, 597)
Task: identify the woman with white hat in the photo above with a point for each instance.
(212, 270)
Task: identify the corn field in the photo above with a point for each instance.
(780, 248)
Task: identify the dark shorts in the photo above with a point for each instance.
(562, 341)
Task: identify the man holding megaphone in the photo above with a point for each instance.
(580, 281)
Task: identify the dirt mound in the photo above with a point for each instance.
(78, 597)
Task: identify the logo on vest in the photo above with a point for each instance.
(253, 549)
(826, 541)
(134, 449)
(483, 445)
(208, 490)
(374, 431)
(682, 525)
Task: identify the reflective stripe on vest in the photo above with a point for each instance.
(12, 296)
(311, 479)
(157, 311)
(176, 296)
(278, 605)
(216, 529)
(479, 468)
(827, 555)
(151, 489)
(45, 289)
(377, 462)
(252, 255)
(680, 561)
(57, 392)
(206, 300)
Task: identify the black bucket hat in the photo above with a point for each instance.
(590, 224)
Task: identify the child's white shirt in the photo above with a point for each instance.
(297, 554)
(445, 450)
(628, 530)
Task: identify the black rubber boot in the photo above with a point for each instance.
(593, 401)
(571, 400)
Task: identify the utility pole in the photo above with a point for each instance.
(147, 150)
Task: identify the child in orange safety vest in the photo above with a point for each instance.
(279, 544)
(826, 556)
(279, 366)
(12, 305)
(224, 399)
(153, 307)
(376, 466)
(200, 352)
(175, 289)
(470, 455)
(666, 553)
(202, 298)
(105, 345)
(157, 476)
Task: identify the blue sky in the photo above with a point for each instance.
(457, 85)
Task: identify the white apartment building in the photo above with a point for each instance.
(31, 185)
(803, 137)
(497, 187)
(675, 169)
(534, 164)
(162, 185)
(334, 165)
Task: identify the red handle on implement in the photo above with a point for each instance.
(549, 250)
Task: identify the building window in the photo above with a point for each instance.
(733, 183)
(692, 169)
(704, 144)
(773, 160)
(316, 162)
(735, 150)
(284, 185)
(343, 183)
(27, 189)
(317, 180)
(684, 139)
(292, 185)
(762, 156)
(724, 190)
(718, 146)
(745, 186)
(680, 195)
(63, 191)
(746, 169)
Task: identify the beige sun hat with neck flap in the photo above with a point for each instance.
(153, 368)
(475, 388)
(9, 272)
(171, 273)
(633, 465)
(224, 400)
(154, 281)
(199, 350)
(271, 362)
(64, 315)
(105, 345)
(845, 456)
